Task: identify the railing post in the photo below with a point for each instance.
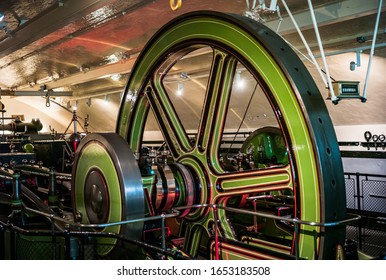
(216, 247)
(73, 251)
(359, 196)
(16, 202)
(53, 242)
(254, 216)
(163, 232)
(359, 193)
(2, 242)
(52, 192)
(296, 237)
(12, 242)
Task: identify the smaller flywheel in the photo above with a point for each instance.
(107, 187)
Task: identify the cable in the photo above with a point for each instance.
(242, 120)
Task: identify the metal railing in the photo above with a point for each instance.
(366, 196)
(80, 228)
(361, 191)
(295, 221)
(53, 244)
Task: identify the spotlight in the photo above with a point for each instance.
(75, 107)
(1, 16)
(116, 77)
(184, 75)
(240, 83)
(180, 88)
(106, 102)
(352, 65)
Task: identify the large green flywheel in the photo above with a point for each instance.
(107, 187)
(313, 171)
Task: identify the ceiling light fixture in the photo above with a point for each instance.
(354, 64)
(240, 82)
(180, 88)
(75, 107)
(113, 58)
(115, 77)
(184, 75)
(106, 102)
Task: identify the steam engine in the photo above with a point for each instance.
(254, 173)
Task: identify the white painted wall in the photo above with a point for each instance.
(356, 133)
(361, 165)
(364, 165)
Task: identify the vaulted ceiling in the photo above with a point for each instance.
(87, 48)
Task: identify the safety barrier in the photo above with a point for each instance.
(366, 196)
(78, 242)
(366, 199)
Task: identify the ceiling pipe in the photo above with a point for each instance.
(122, 67)
(382, 45)
(15, 93)
(89, 96)
(372, 52)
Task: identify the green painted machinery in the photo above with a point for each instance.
(204, 166)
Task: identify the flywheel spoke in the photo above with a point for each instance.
(255, 181)
(217, 98)
(170, 124)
